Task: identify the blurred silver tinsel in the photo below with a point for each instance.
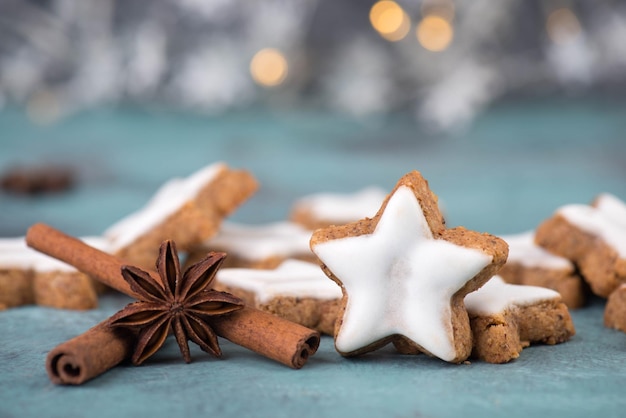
(59, 56)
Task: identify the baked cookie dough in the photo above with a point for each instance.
(615, 309)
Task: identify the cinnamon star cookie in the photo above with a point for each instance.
(404, 275)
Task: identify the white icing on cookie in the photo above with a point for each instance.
(291, 278)
(399, 279)
(595, 221)
(524, 251)
(612, 207)
(259, 242)
(170, 197)
(15, 254)
(497, 296)
(343, 208)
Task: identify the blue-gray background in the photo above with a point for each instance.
(506, 173)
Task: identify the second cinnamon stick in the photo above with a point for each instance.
(89, 354)
(266, 334)
(269, 335)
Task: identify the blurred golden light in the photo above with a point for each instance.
(390, 20)
(269, 67)
(562, 26)
(435, 33)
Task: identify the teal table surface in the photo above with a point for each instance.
(503, 174)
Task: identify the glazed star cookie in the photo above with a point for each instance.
(505, 318)
(591, 236)
(324, 209)
(27, 276)
(404, 275)
(262, 246)
(186, 210)
(530, 264)
(295, 290)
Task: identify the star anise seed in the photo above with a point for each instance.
(183, 305)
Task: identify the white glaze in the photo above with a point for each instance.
(166, 201)
(612, 207)
(343, 208)
(524, 251)
(496, 296)
(15, 254)
(259, 242)
(399, 279)
(293, 278)
(595, 221)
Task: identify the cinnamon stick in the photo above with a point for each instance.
(269, 335)
(266, 334)
(90, 354)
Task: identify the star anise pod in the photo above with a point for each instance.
(181, 303)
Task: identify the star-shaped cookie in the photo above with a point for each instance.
(404, 275)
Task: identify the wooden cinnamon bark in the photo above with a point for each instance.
(269, 335)
(90, 354)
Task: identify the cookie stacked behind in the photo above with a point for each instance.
(593, 237)
(531, 264)
(260, 246)
(188, 210)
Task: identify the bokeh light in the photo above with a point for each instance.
(435, 33)
(390, 20)
(269, 67)
(562, 26)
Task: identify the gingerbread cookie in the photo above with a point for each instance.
(404, 275)
(506, 318)
(324, 209)
(262, 246)
(27, 276)
(530, 264)
(295, 290)
(594, 238)
(188, 211)
(615, 309)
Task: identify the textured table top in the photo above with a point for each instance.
(503, 175)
